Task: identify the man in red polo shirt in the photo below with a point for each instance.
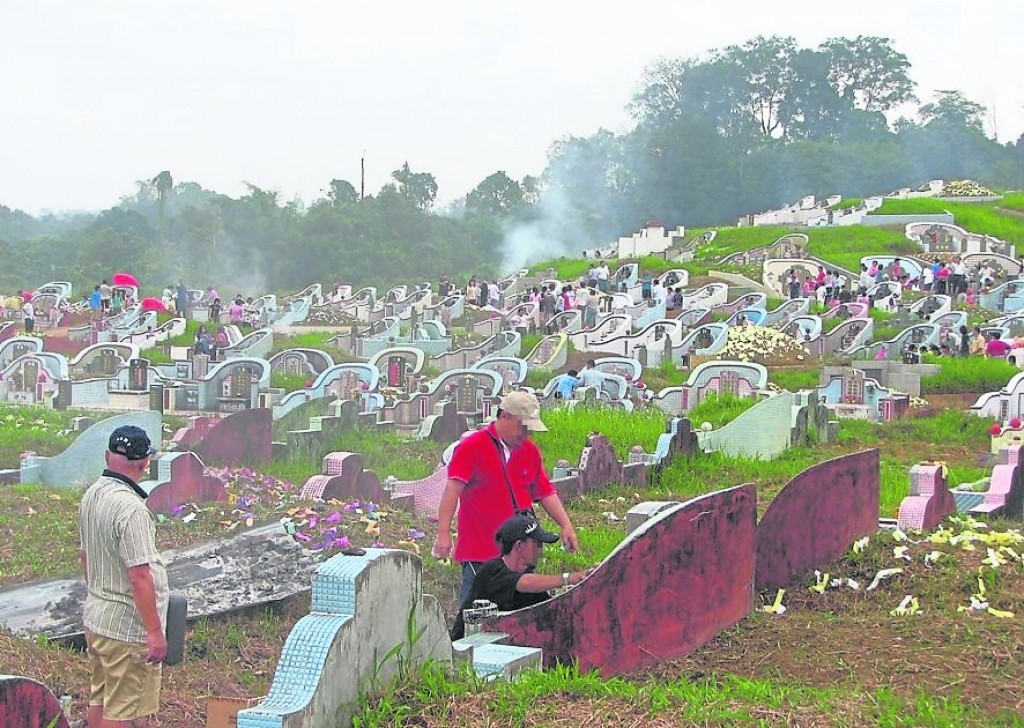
(494, 473)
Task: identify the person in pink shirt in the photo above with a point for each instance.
(236, 312)
(996, 347)
(942, 278)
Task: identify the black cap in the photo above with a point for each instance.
(522, 526)
(132, 442)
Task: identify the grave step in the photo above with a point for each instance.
(966, 501)
(463, 648)
(503, 662)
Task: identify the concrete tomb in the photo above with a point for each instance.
(851, 394)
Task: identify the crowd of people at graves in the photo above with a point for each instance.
(952, 278)
(590, 295)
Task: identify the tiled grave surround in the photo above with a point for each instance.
(26, 703)
(742, 379)
(1004, 405)
(362, 607)
(678, 440)
(930, 499)
(771, 427)
(343, 478)
(1004, 494)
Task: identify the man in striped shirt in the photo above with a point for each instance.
(126, 606)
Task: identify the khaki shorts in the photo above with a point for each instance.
(123, 682)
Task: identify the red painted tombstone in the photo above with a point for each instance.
(671, 586)
(26, 703)
(816, 517)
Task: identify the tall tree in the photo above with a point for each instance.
(342, 192)
(869, 73)
(766, 65)
(952, 108)
(811, 108)
(418, 187)
(661, 94)
(497, 195)
(163, 183)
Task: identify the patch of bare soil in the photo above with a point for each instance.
(851, 638)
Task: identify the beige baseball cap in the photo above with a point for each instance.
(525, 408)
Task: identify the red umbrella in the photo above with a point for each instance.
(125, 279)
(153, 304)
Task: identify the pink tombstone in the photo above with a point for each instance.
(1005, 494)
(929, 501)
(426, 492)
(343, 478)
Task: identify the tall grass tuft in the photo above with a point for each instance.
(719, 408)
(569, 428)
(795, 378)
(973, 374)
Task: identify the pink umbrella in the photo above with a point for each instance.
(153, 304)
(125, 279)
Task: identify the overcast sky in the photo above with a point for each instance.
(288, 95)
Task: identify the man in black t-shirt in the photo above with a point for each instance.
(508, 580)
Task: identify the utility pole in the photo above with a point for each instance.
(362, 176)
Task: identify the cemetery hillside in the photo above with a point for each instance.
(774, 336)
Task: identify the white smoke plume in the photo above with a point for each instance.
(542, 238)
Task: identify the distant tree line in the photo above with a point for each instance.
(745, 129)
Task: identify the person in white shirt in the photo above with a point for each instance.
(958, 279)
(866, 279)
(658, 292)
(590, 376)
(582, 298)
(986, 276)
(927, 278)
(28, 316)
(602, 277)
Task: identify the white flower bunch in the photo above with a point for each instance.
(965, 188)
(750, 343)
